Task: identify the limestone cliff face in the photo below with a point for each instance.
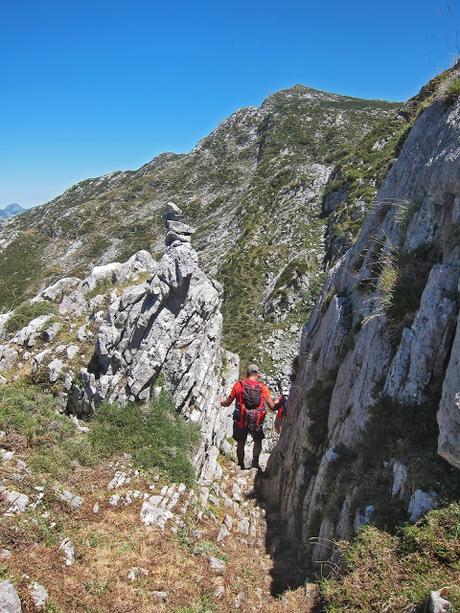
(373, 430)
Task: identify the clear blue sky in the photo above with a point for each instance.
(92, 86)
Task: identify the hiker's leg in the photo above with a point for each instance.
(240, 435)
(240, 452)
(256, 451)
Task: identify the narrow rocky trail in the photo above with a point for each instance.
(111, 539)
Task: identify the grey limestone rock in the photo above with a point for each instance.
(437, 603)
(420, 503)
(171, 325)
(9, 599)
(29, 335)
(68, 552)
(57, 291)
(39, 595)
(217, 565)
(8, 358)
(51, 332)
(16, 501)
(359, 358)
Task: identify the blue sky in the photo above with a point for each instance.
(93, 86)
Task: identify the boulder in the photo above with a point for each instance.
(29, 335)
(9, 599)
(51, 332)
(39, 595)
(179, 228)
(172, 237)
(420, 503)
(68, 552)
(217, 565)
(56, 291)
(438, 604)
(8, 358)
(55, 368)
(17, 502)
(73, 501)
(172, 211)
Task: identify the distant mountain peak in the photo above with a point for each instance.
(10, 210)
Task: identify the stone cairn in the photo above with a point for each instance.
(176, 230)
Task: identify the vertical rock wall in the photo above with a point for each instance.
(373, 431)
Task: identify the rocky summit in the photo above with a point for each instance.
(317, 234)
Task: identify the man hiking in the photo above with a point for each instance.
(251, 395)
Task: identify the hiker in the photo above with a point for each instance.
(281, 409)
(251, 396)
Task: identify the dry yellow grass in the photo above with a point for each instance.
(108, 544)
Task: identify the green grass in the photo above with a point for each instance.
(26, 312)
(153, 434)
(380, 569)
(30, 412)
(21, 267)
(452, 92)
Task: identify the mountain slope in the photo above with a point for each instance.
(253, 188)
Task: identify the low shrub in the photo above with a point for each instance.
(29, 416)
(452, 91)
(30, 412)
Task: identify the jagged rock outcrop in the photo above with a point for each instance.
(172, 326)
(378, 362)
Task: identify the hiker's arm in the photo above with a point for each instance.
(277, 405)
(268, 398)
(226, 402)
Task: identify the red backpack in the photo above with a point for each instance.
(250, 404)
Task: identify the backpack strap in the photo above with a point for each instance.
(242, 421)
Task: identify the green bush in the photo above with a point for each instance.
(26, 312)
(153, 434)
(380, 569)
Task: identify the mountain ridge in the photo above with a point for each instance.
(259, 165)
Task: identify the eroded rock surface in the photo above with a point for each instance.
(379, 360)
(170, 326)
